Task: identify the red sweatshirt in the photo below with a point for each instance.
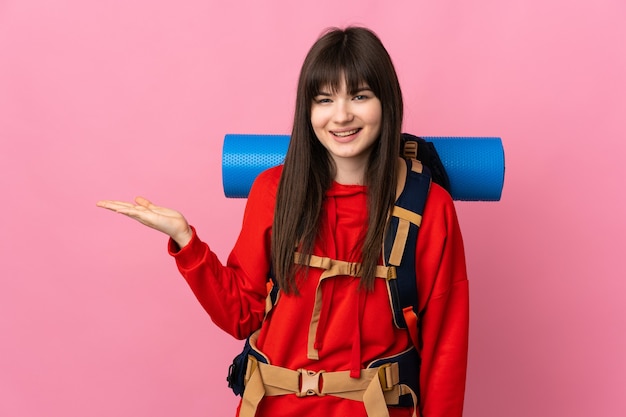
(355, 327)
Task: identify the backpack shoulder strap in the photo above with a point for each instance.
(401, 242)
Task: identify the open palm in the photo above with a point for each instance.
(163, 219)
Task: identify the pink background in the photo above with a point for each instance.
(125, 97)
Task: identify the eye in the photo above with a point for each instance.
(362, 95)
(322, 100)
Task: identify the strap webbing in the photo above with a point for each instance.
(332, 268)
(376, 387)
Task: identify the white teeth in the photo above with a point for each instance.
(344, 134)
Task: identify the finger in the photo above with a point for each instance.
(113, 205)
(144, 202)
(138, 213)
(130, 208)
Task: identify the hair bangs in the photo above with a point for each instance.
(336, 66)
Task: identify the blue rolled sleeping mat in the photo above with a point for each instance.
(473, 166)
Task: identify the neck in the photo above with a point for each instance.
(350, 171)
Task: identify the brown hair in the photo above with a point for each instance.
(357, 55)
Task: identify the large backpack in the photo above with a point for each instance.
(422, 165)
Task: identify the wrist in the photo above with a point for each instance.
(182, 239)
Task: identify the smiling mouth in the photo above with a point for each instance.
(346, 133)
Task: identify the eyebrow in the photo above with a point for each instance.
(358, 90)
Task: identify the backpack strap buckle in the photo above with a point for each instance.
(309, 383)
(386, 377)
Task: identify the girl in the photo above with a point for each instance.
(316, 225)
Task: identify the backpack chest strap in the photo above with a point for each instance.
(332, 268)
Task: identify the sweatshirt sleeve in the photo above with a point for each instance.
(234, 294)
(444, 311)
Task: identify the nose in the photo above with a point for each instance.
(343, 112)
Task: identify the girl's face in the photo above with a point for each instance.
(347, 125)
